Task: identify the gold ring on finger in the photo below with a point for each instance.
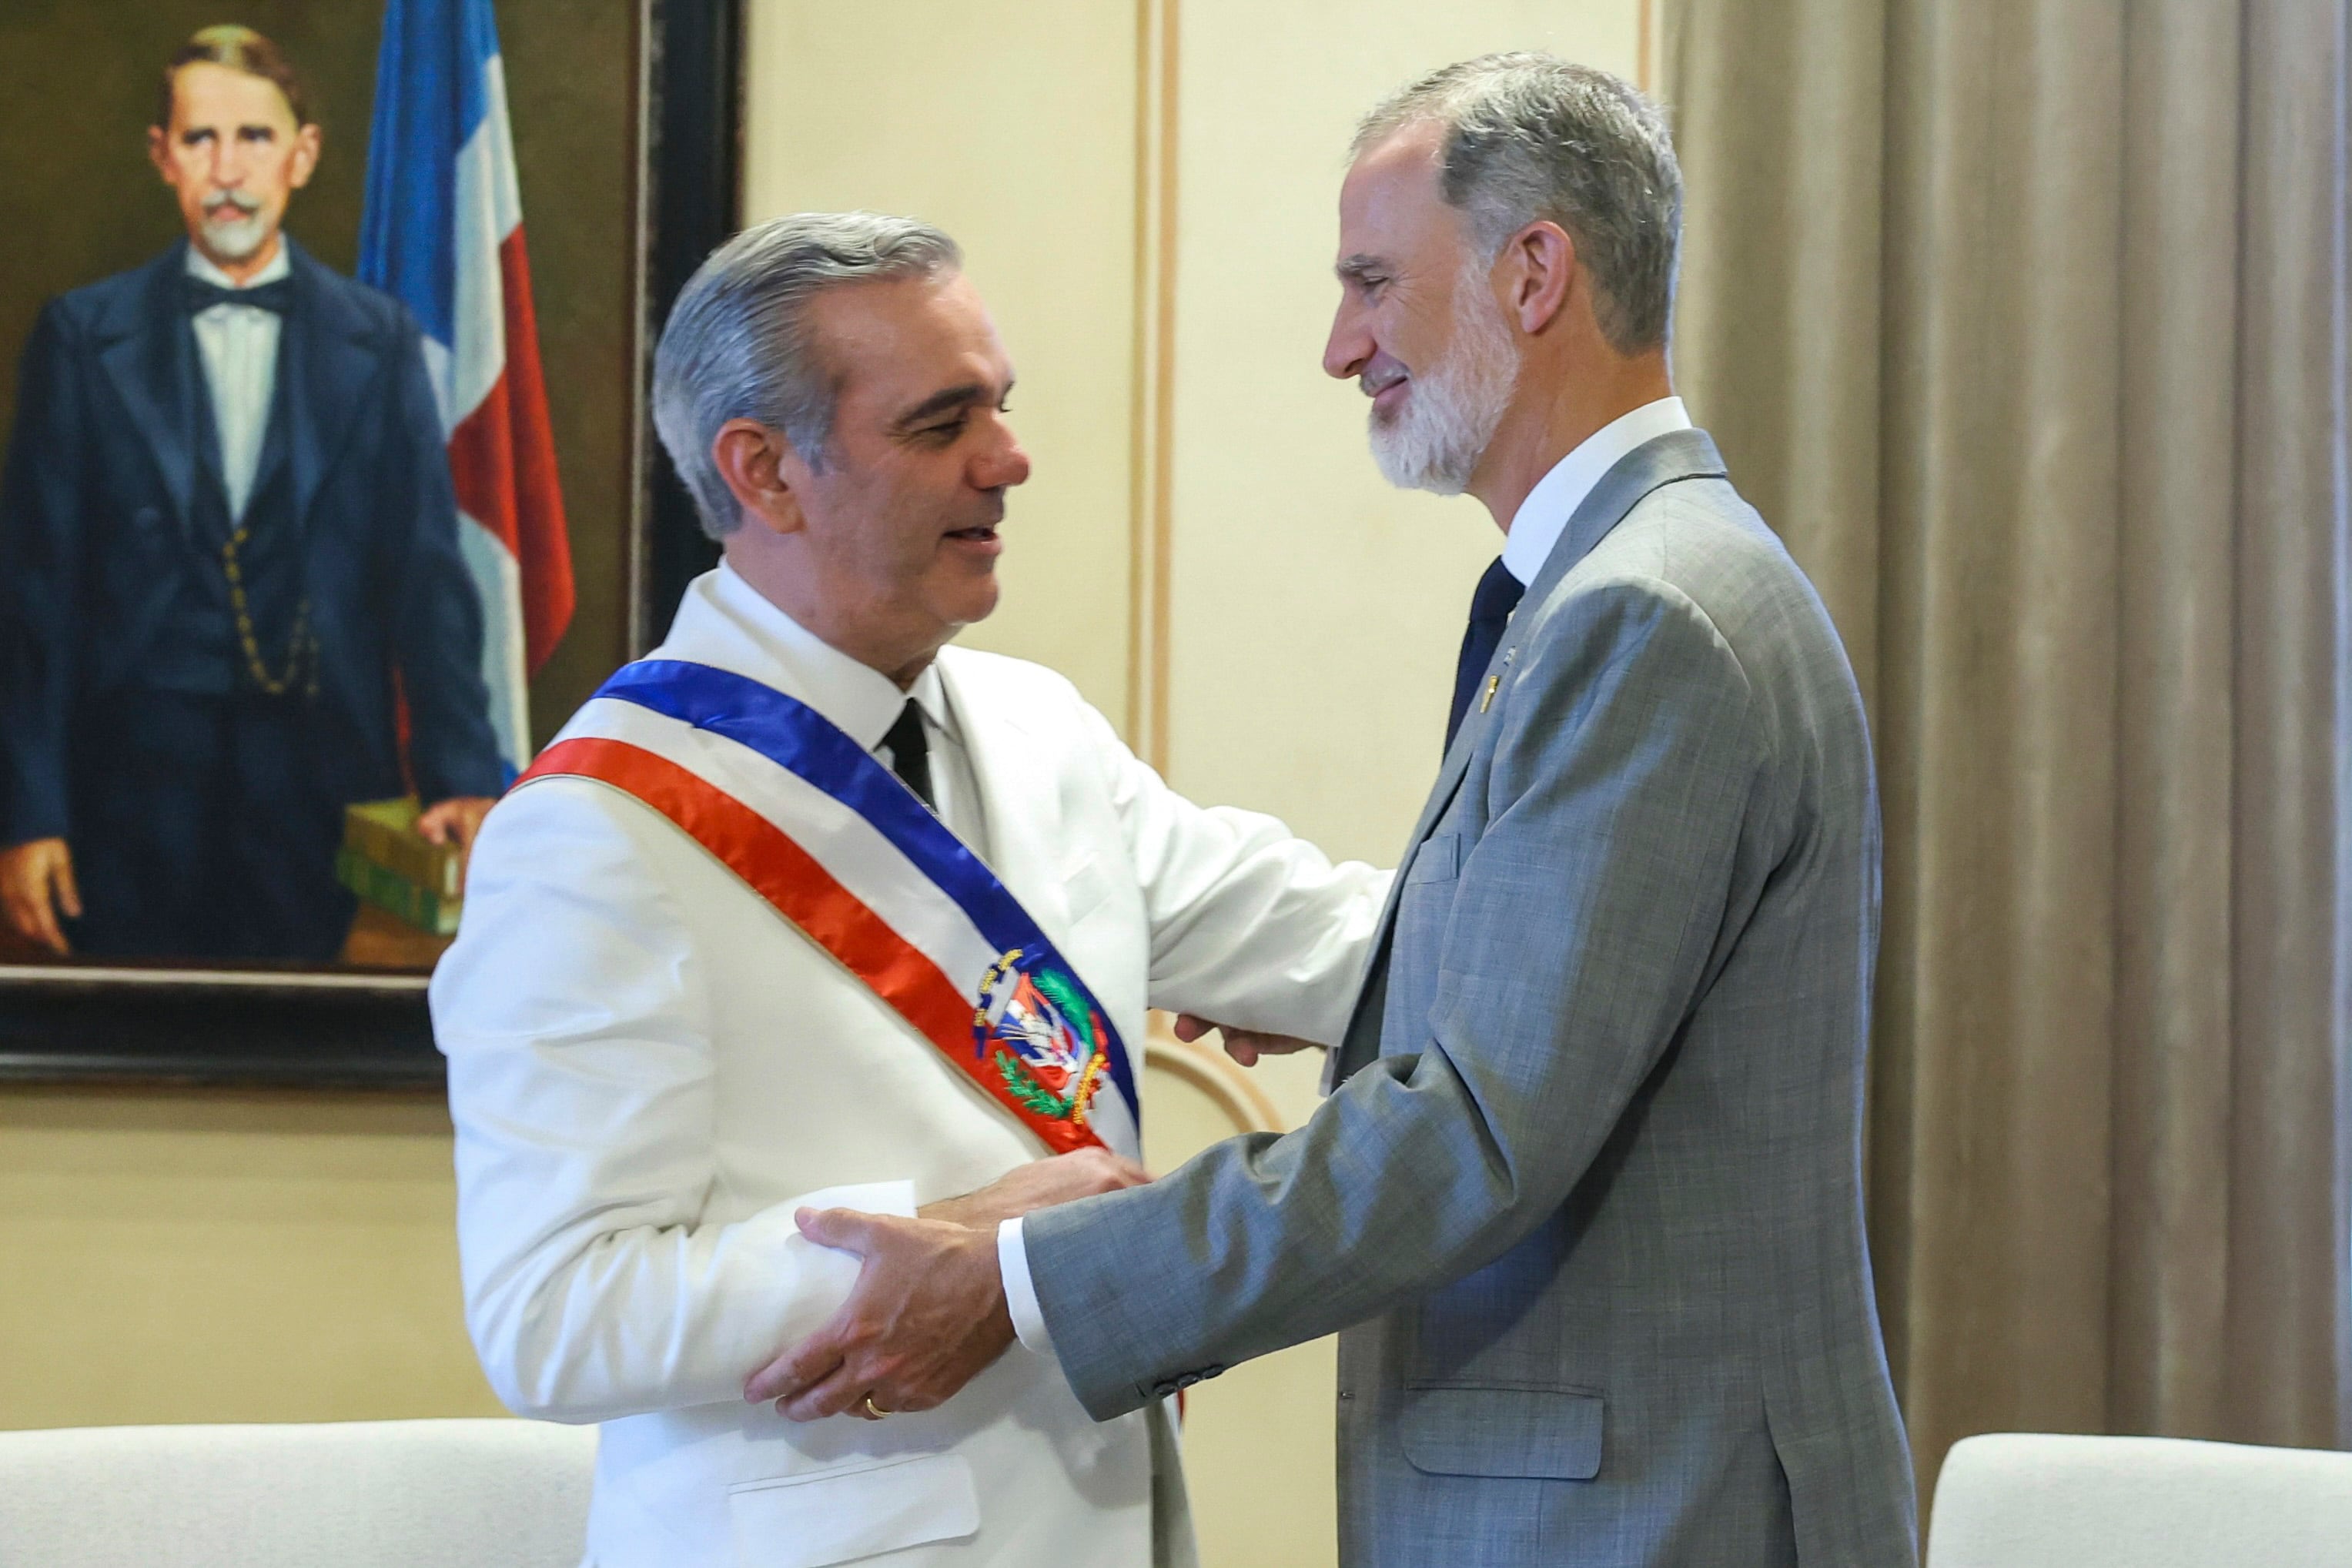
(874, 1411)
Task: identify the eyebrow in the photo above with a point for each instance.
(257, 130)
(1356, 267)
(963, 395)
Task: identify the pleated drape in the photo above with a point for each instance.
(2024, 322)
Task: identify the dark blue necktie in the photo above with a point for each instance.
(1490, 612)
(202, 294)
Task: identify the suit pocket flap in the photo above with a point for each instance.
(1437, 860)
(1528, 1433)
(853, 1512)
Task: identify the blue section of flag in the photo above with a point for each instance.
(431, 94)
(802, 741)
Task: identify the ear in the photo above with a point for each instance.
(762, 470)
(159, 153)
(308, 139)
(1537, 273)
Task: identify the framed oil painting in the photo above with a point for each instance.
(326, 494)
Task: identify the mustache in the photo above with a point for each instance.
(1377, 379)
(242, 200)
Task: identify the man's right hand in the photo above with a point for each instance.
(1040, 1183)
(36, 881)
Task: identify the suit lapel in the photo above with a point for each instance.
(151, 359)
(1021, 808)
(326, 368)
(1681, 455)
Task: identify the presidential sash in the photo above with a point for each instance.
(839, 847)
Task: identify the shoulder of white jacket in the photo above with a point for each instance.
(705, 631)
(1023, 682)
(576, 811)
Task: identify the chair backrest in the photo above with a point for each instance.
(2030, 1500)
(363, 1494)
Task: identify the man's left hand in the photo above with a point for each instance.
(455, 820)
(1247, 1046)
(927, 1316)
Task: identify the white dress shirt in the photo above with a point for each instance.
(1543, 516)
(239, 344)
(1534, 530)
(865, 703)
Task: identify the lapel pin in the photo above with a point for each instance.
(1493, 683)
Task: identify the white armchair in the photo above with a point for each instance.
(2030, 1500)
(362, 1494)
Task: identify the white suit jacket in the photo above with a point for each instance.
(649, 1070)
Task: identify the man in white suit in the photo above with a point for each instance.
(684, 1004)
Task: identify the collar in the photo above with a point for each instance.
(859, 698)
(280, 265)
(1537, 526)
(931, 694)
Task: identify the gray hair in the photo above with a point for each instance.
(1528, 137)
(738, 343)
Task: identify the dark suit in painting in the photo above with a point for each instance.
(137, 715)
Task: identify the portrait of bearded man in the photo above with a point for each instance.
(229, 566)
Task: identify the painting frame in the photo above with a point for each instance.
(207, 1025)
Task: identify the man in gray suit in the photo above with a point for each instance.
(1586, 1199)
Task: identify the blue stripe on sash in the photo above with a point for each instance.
(802, 741)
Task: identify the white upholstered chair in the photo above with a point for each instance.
(361, 1494)
(2030, 1500)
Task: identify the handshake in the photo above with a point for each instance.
(928, 1312)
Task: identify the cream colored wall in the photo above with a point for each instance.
(1315, 613)
(1010, 125)
(188, 1256)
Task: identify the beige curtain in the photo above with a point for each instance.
(2025, 323)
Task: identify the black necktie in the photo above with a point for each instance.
(910, 753)
(1490, 612)
(201, 295)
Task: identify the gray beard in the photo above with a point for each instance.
(1452, 413)
(235, 239)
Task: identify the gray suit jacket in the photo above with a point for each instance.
(1591, 1188)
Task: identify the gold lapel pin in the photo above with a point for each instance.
(1494, 683)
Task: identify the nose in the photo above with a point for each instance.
(1003, 464)
(1350, 345)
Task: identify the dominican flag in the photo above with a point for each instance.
(442, 231)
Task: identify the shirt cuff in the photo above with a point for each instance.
(1019, 1294)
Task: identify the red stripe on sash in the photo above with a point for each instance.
(776, 868)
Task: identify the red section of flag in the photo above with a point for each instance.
(502, 460)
